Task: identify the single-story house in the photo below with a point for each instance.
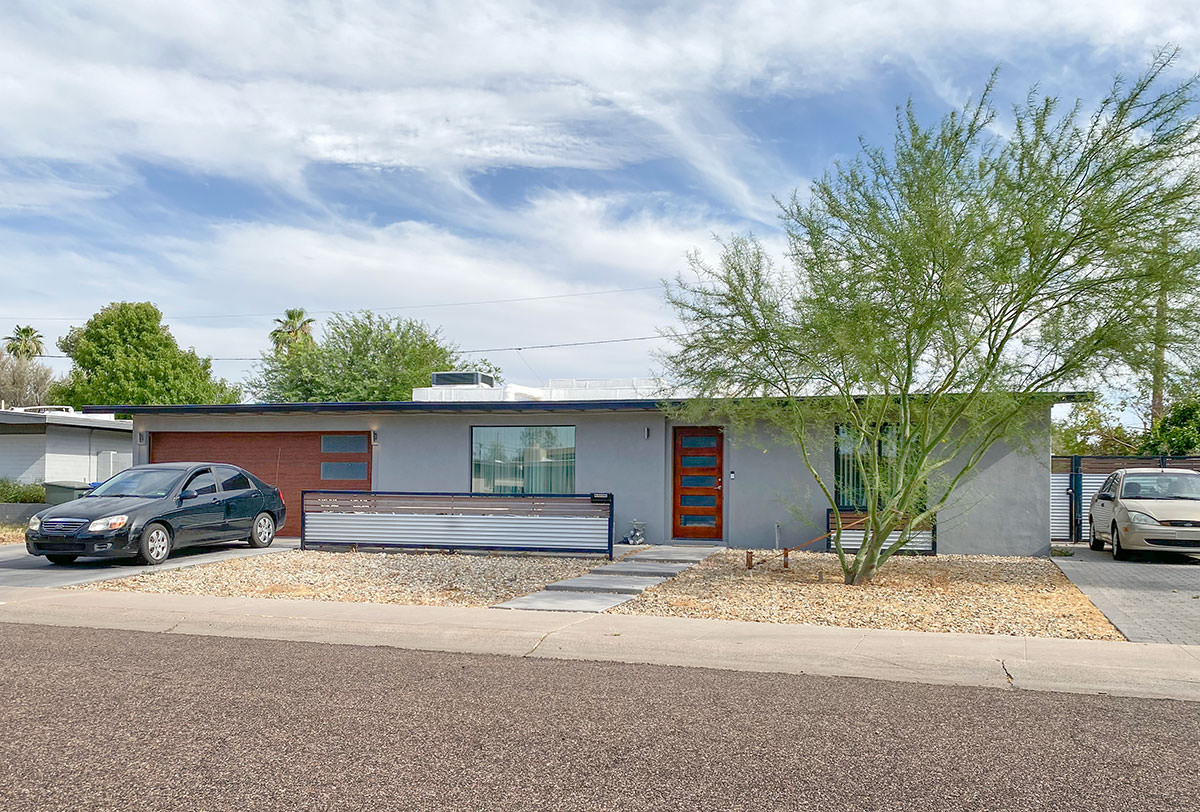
(53, 443)
(685, 482)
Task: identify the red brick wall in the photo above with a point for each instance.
(289, 460)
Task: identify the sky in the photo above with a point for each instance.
(228, 160)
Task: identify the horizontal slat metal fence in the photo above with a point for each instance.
(578, 523)
(919, 541)
(1080, 477)
(1060, 506)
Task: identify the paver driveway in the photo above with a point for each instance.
(1155, 599)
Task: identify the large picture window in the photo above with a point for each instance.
(849, 451)
(523, 459)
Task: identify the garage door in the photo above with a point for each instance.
(292, 461)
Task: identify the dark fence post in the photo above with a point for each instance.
(1076, 494)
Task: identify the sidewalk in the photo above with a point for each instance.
(1079, 666)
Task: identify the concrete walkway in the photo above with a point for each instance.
(1077, 666)
(1151, 599)
(613, 584)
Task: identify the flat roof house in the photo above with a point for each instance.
(686, 482)
(50, 444)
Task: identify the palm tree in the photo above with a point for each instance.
(295, 326)
(25, 342)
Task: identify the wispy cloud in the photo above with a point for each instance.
(243, 157)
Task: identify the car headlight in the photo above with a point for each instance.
(34, 523)
(108, 523)
(1137, 517)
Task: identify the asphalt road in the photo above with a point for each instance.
(119, 720)
(19, 568)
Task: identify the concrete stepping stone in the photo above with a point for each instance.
(689, 555)
(650, 569)
(624, 584)
(560, 601)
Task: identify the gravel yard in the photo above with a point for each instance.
(12, 534)
(435, 579)
(946, 593)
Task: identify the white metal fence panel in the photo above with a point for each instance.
(1060, 507)
(920, 541)
(551, 533)
(1091, 484)
(580, 523)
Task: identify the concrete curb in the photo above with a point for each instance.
(1076, 666)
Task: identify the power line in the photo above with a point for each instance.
(429, 306)
(563, 344)
(487, 349)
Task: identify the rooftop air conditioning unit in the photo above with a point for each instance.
(463, 379)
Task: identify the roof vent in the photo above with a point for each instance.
(463, 379)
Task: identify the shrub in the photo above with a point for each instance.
(13, 491)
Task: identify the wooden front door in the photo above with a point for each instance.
(696, 504)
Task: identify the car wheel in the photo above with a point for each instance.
(61, 560)
(155, 545)
(1118, 551)
(262, 532)
(1094, 542)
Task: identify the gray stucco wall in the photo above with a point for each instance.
(1003, 506)
(1003, 509)
(612, 454)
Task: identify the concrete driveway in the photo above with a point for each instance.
(19, 568)
(1154, 598)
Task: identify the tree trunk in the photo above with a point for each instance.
(1158, 373)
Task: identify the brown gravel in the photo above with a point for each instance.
(12, 534)
(435, 579)
(947, 593)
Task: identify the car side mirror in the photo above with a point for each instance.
(1106, 496)
(188, 494)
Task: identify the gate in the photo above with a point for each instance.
(1075, 480)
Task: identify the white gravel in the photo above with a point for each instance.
(437, 579)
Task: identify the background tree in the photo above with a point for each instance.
(936, 292)
(1177, 433)
(1097, 427)
(23, 381)
(25, 342)
(294, 328)
(359, 357)
(126, 355)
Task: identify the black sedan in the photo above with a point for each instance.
(149, 510)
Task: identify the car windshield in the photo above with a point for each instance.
(1161, 486)
(147, 482)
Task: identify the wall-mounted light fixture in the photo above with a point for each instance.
(141, 438)
(647, 432)
(374, 437)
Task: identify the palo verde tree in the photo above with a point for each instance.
(935, 293)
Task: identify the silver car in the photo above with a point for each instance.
(1147, 509)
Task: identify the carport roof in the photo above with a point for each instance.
(448, 407)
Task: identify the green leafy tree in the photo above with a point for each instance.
(1177, 433)
(935, 293)
(126, 355)
(359, 357)
(294, 328)
(25, 342)
(1096, 427)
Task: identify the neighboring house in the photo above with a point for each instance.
(682, 481)
(52, 444)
